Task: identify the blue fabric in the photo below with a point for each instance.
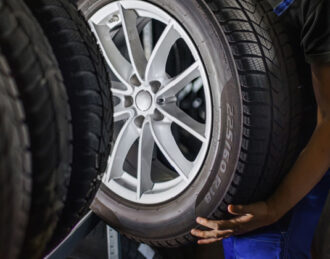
(265, 246)
(283, 6)
(291, 238)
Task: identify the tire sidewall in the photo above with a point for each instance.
(176, 217)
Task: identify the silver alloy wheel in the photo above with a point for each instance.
(146, 103)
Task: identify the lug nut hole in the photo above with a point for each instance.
(161, 101)
(134, 80)
(128, 101)
(139, 121)
(158, 116)
(155, 86)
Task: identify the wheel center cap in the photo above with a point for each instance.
(143, 101)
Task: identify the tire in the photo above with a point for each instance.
(45, 102)
(15, 167)
(286, 98)
(88, 86)
(256, 116)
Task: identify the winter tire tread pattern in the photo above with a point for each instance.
(15, 166)
(48, 118)
(88, 86)
(283, 98)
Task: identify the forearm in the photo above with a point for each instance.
(306, 173)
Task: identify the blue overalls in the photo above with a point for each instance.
(290, 238)
(280, 8)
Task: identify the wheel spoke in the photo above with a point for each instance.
(118, 89)
(122, 113)
(133, 42)
(165, 141)
(146, 146)
(126, 138)
(172, 112)
(118, 35)
(181, 81)
(156, 67)
(118, 64)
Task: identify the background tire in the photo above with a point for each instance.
(255, 92)
(88, 87)
(48, 118)
(15, 167)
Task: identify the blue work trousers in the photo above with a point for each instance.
(290, 238)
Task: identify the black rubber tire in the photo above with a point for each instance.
(48, 118)
(88, 87)
(257, 36)
(15, 167)
(245, 50)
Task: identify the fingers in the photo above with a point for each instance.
(203, 234)
(215, 224)
(239, 210)
(220, 229)
(220, 225)
(249, 217)
(208, 237)
(212, 224)
(208, 241)
(211, 234)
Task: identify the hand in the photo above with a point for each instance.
(249, 217)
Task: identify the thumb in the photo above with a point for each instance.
(238, 209)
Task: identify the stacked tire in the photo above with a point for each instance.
(15, 166)
(55, 123)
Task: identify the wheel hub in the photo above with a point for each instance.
(143, 100)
